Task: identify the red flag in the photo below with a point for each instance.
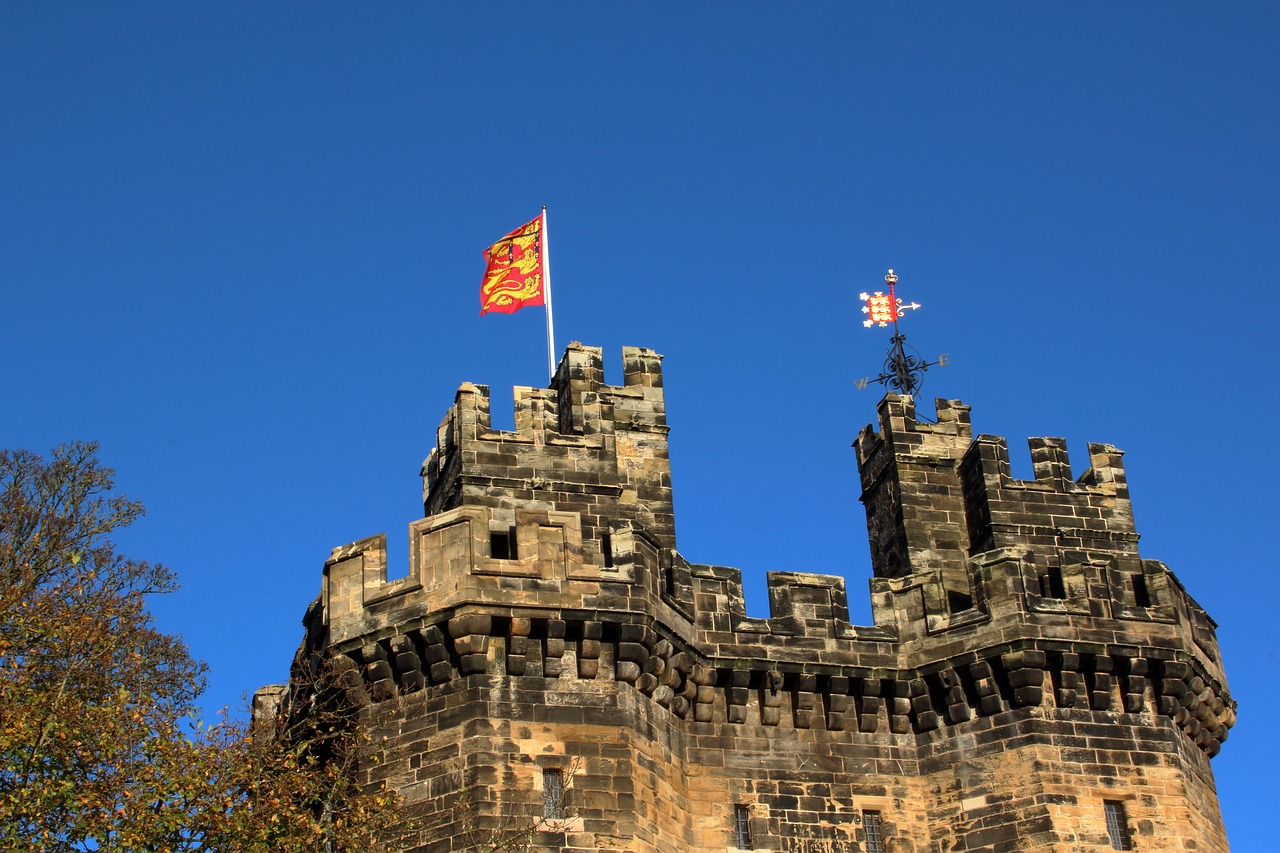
(879, 308)
(514, 275)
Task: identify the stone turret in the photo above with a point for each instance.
(1029, 680)
(580, 446)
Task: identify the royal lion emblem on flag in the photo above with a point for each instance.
(879, 308)
(513, 276)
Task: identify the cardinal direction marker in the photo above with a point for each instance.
(904, 368)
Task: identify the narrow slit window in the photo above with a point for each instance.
(1141, 595)
(606, 549)
(553, 795)
(502, 544)
(1118, 825)
(872, 832)
(742, 828)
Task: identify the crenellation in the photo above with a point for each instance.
(1024, 664)
(1049, 462)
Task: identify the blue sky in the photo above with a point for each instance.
(240, 246)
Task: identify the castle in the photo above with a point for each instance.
(554, 671)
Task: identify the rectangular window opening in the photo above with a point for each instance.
(742, 827)
(502, 544)
(1051, 585)
(871, 831)
(606, 549)
(553, 795)
(1117, 825)
(1141, 595)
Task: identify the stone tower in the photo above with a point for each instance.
(552, 668)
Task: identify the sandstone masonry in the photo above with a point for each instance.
(1030, 682)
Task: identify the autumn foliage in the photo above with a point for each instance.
(99, 748)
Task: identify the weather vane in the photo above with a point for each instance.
(904, 368)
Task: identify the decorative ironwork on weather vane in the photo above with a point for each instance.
(904, 368)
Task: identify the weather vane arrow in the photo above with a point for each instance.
(904, 368)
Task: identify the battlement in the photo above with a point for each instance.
(935, 497)
(456, 562)
(1004, 611)
(596, 449)
(563, 521)
(499, 616)
(1052, 511)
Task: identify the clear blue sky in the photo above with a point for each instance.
(240, 246)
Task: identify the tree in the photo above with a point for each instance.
(98, 750)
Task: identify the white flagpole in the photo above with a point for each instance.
(546, 297)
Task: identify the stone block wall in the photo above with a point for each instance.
(1026, 670)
